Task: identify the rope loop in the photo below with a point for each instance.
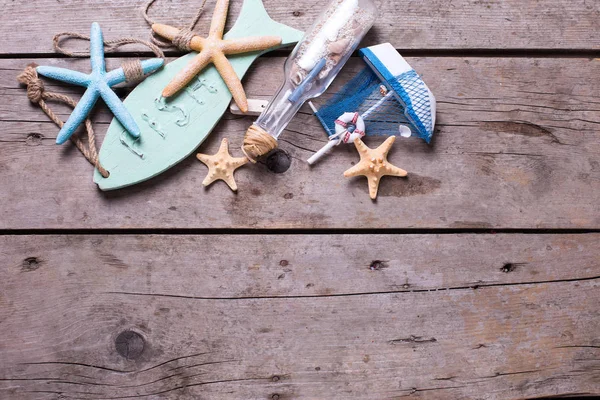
(111, 44)
(36, 93)
(183, 40)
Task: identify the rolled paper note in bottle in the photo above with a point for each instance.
(313, 65)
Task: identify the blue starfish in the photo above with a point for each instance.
(98, 84)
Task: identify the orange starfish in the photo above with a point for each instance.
(374, 164)
(213, 49)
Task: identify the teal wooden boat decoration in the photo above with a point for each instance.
(173, 129)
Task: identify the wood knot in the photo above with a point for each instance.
(510, 267)
(130, 344)
(30, 264)
(377, 265)
(278, 161)
(34, 139)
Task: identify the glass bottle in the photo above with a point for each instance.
(314, 63)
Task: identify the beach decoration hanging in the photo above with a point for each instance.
(37, 94)
(172, 128)
(221, 166)
(310, 69)
(98, 84)
(213, 49)
(387, 98)
(374, 164)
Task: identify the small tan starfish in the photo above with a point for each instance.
(221, 166)
(214, 49)
(374, 164)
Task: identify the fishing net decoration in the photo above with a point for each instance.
(388, 97)
(390, 117)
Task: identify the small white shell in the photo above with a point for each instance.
(297, 74)
(339, 47)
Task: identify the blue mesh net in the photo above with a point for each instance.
(364, 91)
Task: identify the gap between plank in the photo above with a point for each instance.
(474, 53)
(287, 231)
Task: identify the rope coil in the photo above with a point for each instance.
(37, 94)
(133, 70)
(257, 142)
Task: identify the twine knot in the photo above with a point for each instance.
(35, 86)
(183, 40)
(35, 91)
(257, 143)
(133, 70)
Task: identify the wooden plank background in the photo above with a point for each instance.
(300, 287)
(517, 146)
(409, 24)
(260, 316)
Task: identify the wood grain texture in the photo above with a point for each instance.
(299, 317)
(411, 24)
(518, 146)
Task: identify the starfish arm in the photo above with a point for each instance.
(204, 158)
(231, 80)
(244, 45)
(65, 75)
(224, 148)
(118, 109)
(217, 25)
(238, 162)
(79, 114)
(387, 145)
(392, 170)
(165, 31)
(210, 178)
(97, 49)
(373, 186)
(358, 169)
(362, 148)
(117, 76)
(187, 73)
(230, 181)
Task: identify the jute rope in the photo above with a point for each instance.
(132, 69)
(183, 40)
(37, 94)
(257, 142)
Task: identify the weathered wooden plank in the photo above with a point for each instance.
(411, 24)
(299, 317)
(518, 147)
